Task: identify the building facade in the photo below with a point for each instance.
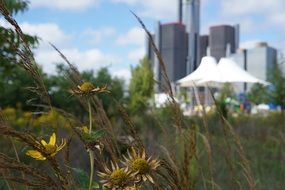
(178, 43)
(171, 40)
(258, 61)
(222, 40)
(204, 44)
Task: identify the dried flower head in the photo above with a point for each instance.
(87, 88)
(116, 178)
(51, 148)
(141, 165)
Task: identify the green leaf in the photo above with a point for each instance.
(83, 179)
(95, 135)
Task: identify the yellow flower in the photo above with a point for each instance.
(51, 148)
(141, 165)
(88, 88)
(116, 178)
(85, 129)
(28, 115)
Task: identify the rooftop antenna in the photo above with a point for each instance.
(180, 11)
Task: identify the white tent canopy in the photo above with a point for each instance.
(226, 71)
(231, 72)
(206, 70)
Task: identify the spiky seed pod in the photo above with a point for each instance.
(142, 165)
(117, 178)
(87, 88)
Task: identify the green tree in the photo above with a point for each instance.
(10, 41)
(141, 86)
(59, 88)
(114, 84)
(226, 91)
(13, 80)
(277, 79)
(258, 94)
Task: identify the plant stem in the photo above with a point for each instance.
(18, 159)
(91, 153)
(7, 183)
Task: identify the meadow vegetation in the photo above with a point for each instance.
(79, 130)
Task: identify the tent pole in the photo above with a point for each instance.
(196, 95)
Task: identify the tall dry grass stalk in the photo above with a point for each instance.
(27, 61)
(172, 170)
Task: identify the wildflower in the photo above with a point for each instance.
(141, 165)
(116, 178)
(85, 130)
(88, 88)
(28, 115)
(51, 148)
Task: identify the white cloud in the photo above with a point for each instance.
(135, 36)
(123, 73)
(96, 36)
(137, 54)
(238, 7)
(278, 19)
(89, 59)
(129, 2)
(157, 9)
(164, 9)
(264, 13)
(64, 4)
(46, 56)
(48, 32)
(4, 23)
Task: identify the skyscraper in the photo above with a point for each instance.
(221, 38)
(178, 43)
(171, 40)
(204, 44)
(192, 22)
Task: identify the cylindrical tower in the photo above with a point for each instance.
(193, 10)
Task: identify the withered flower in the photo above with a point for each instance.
(87, 88)
(141, 165)
(116, 178)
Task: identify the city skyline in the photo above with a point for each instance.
(94, 33)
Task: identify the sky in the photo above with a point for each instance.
(103, 33)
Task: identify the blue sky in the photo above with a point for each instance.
(97, 33)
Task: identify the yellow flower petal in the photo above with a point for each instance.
(85, 129)
(44, 142)
(63, 143)
(52, 139)
(35, 154)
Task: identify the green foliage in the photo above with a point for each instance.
(12, 78)
(59, 90)
(141, 86)
(258, 94)
(227, 91)
(14, 88)
(277, 78)
(95, 135)
(114, 85)
(263, 140)
(16, 6)
(9, 40)
(83, 179)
